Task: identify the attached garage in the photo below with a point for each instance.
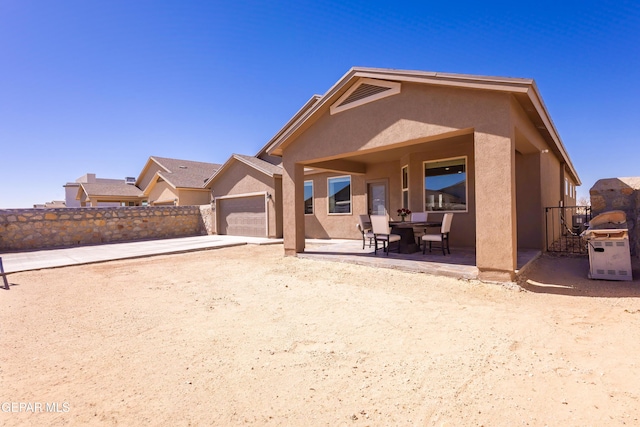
(242, 216)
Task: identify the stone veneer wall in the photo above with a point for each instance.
(620, 194)
(24, 229)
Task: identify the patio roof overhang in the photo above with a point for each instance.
(524, 91)
(357, 162)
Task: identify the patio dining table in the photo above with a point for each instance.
(405, 230)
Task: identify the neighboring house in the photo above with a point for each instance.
(51, 205)
(88, 190)
(484, 148)
(163, 181)
(166, 181)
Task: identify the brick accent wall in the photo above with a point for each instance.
(27, 229)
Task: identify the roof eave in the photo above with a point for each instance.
(536, 100)
(146, 166)
(230, 160)
(506, 84)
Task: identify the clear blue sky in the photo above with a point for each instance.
(99, 86)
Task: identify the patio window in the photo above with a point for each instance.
(445, 185)
(308, 197)
(405, 187)
(339, 192)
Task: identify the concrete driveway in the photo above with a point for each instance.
(35, 260)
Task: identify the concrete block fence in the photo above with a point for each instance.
(29, 229)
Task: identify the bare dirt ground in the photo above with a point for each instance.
(244, 336)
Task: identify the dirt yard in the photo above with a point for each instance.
(244, 336)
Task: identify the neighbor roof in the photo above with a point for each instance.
(183, 173)
(254, 162)
(109, 189)
(525, 90)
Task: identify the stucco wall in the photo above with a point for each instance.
(193, 197)
(162, 193)
(24, 229)
(530, 212)
(240, 179)
(321, 224)
(550, 186)
(463, 227)
(149, 174)
(418, 112)
(620, 194)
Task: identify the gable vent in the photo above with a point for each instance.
(365, 91)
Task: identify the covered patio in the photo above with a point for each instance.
(378, 138)
(460, 264)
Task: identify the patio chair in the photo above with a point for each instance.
(419, 230)
(382, 232)
(443, 237)
(364, 226)
(4, 275)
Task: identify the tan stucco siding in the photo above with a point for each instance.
(529, 201)
(551, 191)
(416, 113)
(188, 197)
(496, 236)
(463, 228)
(149, 174)
(277, 207)
(417, 117)
(162, 192)
(321, 224)
(240, 179)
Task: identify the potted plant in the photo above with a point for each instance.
(403, 213)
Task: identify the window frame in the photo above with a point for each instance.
(466, 184)
(329, 178)
(310, 181)
(404, 186)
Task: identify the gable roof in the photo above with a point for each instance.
(181, 173)
(254, 162)
(109, 189)
(525, 90)
(307, 105)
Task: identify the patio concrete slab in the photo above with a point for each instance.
(461, 263)
(35, 260)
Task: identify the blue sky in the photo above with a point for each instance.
(99, 86)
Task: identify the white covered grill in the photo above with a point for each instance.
(608, 243)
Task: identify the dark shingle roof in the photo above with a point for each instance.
(186, 173)
(118, 189)
(260, 164)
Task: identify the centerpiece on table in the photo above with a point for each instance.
(403, 213)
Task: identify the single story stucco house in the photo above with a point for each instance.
(484, 148)
(162, 182)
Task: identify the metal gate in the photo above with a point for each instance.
(563, 226)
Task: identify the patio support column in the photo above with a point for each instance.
(293, 207)
(496, 221)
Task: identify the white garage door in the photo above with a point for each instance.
(242, 216)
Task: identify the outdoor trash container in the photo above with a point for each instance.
(608, 243)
